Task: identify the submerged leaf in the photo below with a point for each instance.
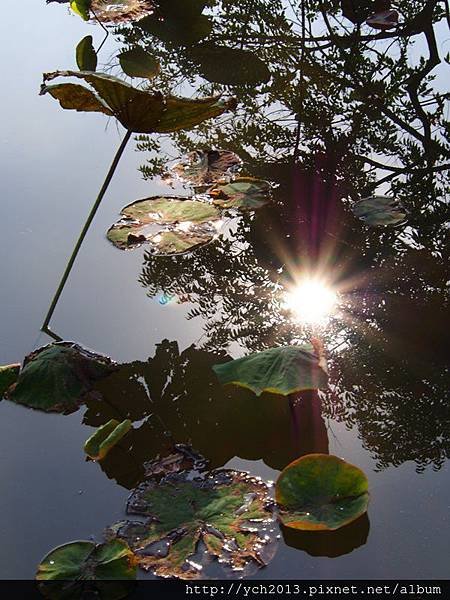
(86, 55)
(56, 378)
(138, 63)
(229, 66)
(245, 193)
(8, 376)
(105, 438)
(203, 167)
(72, 570)
(320, 492)
(282, 370)
(379, 210)
(217, 508)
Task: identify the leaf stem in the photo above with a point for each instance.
(109, 176)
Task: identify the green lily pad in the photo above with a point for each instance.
(57, 377)
(282, 370)
(136, 62)
(86, 55)
(171, 225)
(203, 167)
(319, 492)
(229, 66)
(221, 509)
(379, 210)
(137, 110)
(106, 437)
(74, 570)
(245, 193)
(8, 376)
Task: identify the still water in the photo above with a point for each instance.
(53, 161)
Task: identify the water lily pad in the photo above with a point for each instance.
(171, 225)
(120, 11)
(136, 62)
(229, 66)
(182, 459)
(8, 376)
(320, 492)
(137, 110)
(282, 370)
(245, 193)
(57, 377)
(203, 167)
(222, 509)
(379, 210)
(85, 54)
(106, 437)
(78, 568)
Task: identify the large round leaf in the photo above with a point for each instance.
(282, 370)
(245, 193)
(8, 376)
(229, 66)
(320, 492)
(203, 167)
(136, 62)
(56, 378)
(379, 210)
(222, 509)
(77, 569)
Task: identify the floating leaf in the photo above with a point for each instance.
(137, 110)
(138, 63)
(106, 436)
(379, 210)
(56, 378)
(120, 11)
(222, 509)
(319, 492)
(229, 66)
(184, 458)
(189, 223)
(245, 193)
(86, 55)
(8, 376)
(84, 569)
(178, 31)
(282, 370)
(202, 167)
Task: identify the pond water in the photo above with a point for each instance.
(386, 408)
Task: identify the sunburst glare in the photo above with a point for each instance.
(311, 301)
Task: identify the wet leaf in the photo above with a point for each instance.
(136, 62)
(222, 509)
(137, 110)
(282, 370)
(379, 210)
(86, 55)
(203, 167)
(57, 377)
(229, 66)
(72, 570)
(320, 492)
(106, 437)
(171, 225)
(8, 376)
(184, 458)
(245, 193)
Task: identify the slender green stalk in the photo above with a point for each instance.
(45, 327)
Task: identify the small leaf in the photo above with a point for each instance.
(320, 492)
(81, 8)
(282, 370)
(245, 193)
(121, 11)
(202, 167)
(86, 55)
(138, 63)
(106, 436)
(379, 210)
(8, 376)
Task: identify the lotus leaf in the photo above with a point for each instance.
(105, 438)
(8, 376)
(320, 492)
(86, 55)
(229, 66)
(245, 193)
(137, 110)
(379, 210)
(222, 509)
(203, 167)
(181, 224)
(136, 62)
(84, 569)
(282, 370)
(57, 377)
